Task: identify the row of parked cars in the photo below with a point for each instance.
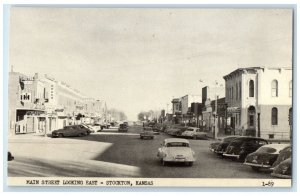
(257, 153)
(186, 132)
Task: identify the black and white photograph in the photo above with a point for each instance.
(150, 96)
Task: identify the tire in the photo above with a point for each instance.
(82, 134)
(194, 137)
(254, 168)
(141, 137)
(60, 135)
(190, 163)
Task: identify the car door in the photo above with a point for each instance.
(250, 146)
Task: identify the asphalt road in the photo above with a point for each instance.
(113, 154)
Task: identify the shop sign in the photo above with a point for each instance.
(25, 97)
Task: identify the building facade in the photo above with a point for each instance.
(259, 101)
(40, 104)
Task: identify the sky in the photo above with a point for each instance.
(139, 59)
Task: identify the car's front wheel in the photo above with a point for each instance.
(60, 135)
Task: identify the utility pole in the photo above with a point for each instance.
(216, 118)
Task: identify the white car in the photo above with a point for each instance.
(176, 150)
(194, 132)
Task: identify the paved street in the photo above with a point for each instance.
(113, 154)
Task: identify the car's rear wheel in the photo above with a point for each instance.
(255, 168)
(60, 135)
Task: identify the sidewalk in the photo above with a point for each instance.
(220, 135)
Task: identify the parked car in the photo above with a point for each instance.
(176, 150)
(283, 170)
(90, 128)
(194, 132)
(123, 128)
(283, 155)
(10, 157)
(147, 133)
(105, 125)
(179, 132)
(220, 147)
(69, 131)
(265, 156)
(240, 147)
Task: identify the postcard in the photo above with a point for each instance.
(150, 97)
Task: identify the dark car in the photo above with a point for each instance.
(69, 131)
(123, 128)
(240, 147)
(265, 156)
(10, 157)
(220, 147)
(283, 170)
(283, 155)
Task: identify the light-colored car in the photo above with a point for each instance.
(147, 133)
(176, 150)
(194, 132)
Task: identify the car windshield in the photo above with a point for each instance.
(177, 144)
(190, 129)
(266, 150)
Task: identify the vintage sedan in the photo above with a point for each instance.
(147, 133)
(123, 128)
(220, 147)
(283, 155)
(265, 156)
(195, 133)
(176, 150)
(240, 147)
(283, 170)
(69, 131)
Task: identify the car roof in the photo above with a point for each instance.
(277, 146)
(249, 137)
(176, 140)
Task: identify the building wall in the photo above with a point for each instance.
(262, 100)
(280, 131)
(283, 76)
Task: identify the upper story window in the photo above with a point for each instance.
(274, 88)
(251, 88)
(291, 88)
(274, 116)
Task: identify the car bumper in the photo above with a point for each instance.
(219, 151)
(179, 159)
(257, 165)
(232, 155)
